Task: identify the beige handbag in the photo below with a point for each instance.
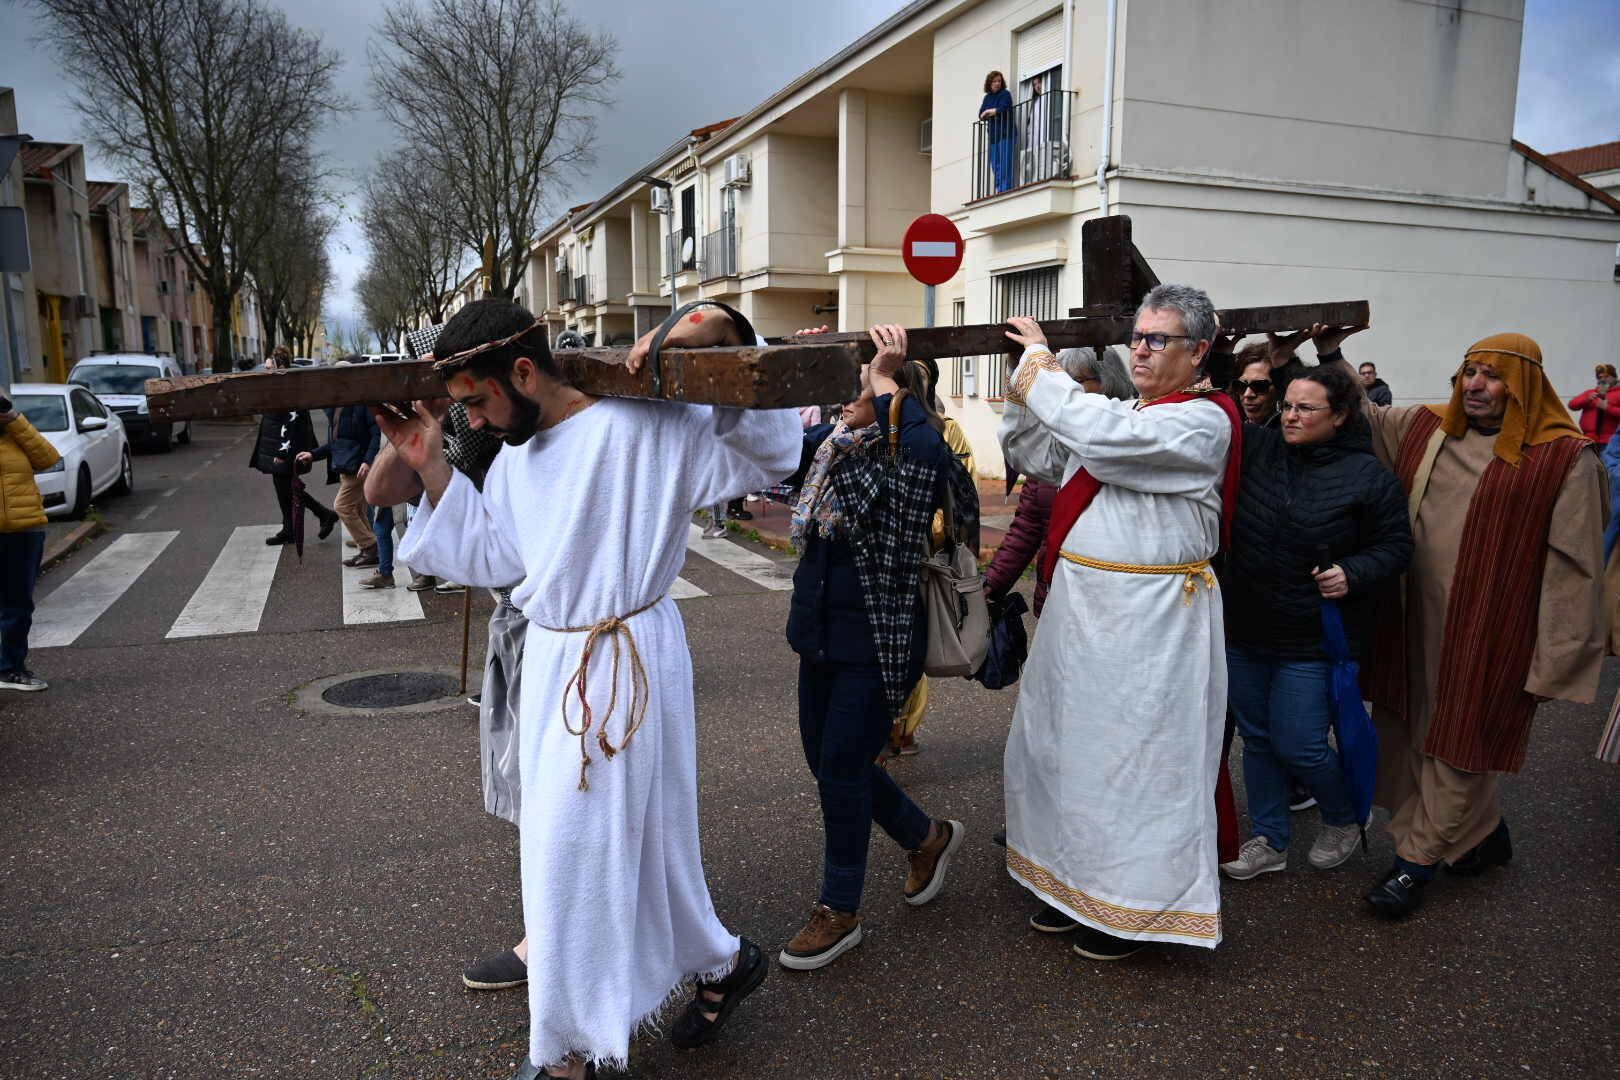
(953, 592)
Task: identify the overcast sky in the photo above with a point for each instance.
(1569, 79)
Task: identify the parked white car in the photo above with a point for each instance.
(119, 380)
(90, 438)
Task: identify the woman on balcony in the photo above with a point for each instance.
(1000, 133)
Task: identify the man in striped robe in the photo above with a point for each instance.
(1502, 606)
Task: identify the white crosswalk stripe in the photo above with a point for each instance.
(398, 604)
(232, 596)
(234, 593)
(739, 560)
(82, 599)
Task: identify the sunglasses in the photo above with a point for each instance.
(1259, 386)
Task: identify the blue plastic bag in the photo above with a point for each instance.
(1009, 646)
(1352, 727)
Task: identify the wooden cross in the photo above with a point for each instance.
(778, 375)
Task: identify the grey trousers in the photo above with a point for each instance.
(498, 711)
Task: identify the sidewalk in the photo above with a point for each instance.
(774, 521)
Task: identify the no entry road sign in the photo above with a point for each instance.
(932, 249)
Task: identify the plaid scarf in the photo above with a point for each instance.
(888, 504)
(818, 507)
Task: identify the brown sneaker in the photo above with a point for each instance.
(828, 935)
(929, 862)
(378, 581)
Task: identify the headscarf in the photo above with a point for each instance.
(818, 507)
(1535, 414)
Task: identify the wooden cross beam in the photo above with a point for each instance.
(808, 371)
(748, 377)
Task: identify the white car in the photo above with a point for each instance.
(119, 380)
(90, 438)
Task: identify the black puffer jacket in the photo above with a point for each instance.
(295, 431)
(1299, 505)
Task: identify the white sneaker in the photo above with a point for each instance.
(1334, 844)
(714, 532)
(1255, 857)
(24, 680)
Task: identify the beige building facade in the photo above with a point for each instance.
(66, 295)
(21, 350)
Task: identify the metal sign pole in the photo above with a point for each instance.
(928, 305)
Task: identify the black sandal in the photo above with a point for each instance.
(692, 1029)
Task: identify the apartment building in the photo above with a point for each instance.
(21, 351)
(67, 297)
(1273, 151)
(164, 282)
(112, 247)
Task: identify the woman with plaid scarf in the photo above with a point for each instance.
(856, 621)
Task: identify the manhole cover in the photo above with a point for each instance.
(390, 690)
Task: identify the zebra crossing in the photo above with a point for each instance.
(236, 590)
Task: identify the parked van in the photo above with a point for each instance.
(119, 380)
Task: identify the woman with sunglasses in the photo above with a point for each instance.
(1318, 519)
(1254, 388)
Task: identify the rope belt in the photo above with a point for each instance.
(613, 629)
(1194, 571)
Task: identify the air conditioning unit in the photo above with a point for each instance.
(925, 136)
(83, 307)
(559, 264)
(736, 171)
(661, 202)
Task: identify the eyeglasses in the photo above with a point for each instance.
(1259, 386)
(1305, 411)
(1156, 342)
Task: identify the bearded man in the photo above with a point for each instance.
(1500, 610)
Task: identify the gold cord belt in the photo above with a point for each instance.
(612, 628)
(1194, 571)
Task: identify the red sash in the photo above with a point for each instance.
(1073, 498)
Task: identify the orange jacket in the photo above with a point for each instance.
(23, 452)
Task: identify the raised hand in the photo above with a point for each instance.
(1328, 338)
(1026, 331)
(419, 441)
(809, 330)
(697, 330)
(891, 349)
(1283, 346)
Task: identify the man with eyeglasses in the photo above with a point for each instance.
(1501, 610)
(1110, 782)
(1376, 389)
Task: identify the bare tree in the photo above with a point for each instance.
(297, 237)
(405, 213)
(199, 100)
(301, 312)
(385, 301)
(500, 97)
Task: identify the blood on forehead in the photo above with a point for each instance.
(463, 384)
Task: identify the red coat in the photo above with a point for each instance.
(1599, 418)
(1023, 542)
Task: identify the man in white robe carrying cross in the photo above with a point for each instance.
(587, 508)
(1110, 780)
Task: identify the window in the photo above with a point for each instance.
(84, 407)
(962, 374)
(120, 378)
(1025, 292)
(47, 412)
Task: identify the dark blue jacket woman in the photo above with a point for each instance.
(847, 620)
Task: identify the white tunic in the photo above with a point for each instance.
(590, 518)
(1115, 744)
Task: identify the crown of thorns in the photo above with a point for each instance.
(458, 360)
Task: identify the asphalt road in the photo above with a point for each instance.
(198, 879)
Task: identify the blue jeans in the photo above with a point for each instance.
(844, 724)
(1284, 715)
(382, 524)
(19, 570)
(1002, 156)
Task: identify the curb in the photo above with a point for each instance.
(85, 531)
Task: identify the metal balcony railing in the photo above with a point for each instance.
(673, 263)
(1023, 145)
(720, 253)
(582, 289)
(565, 288)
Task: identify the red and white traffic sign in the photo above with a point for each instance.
(932, 249)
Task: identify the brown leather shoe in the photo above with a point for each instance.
(828, 935)
(929, 862)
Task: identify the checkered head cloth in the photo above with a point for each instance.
(418, 343)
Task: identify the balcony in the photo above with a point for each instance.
(1027, 144)
(582, 290)
(720, 253)
(674, 263)
(565, 288)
